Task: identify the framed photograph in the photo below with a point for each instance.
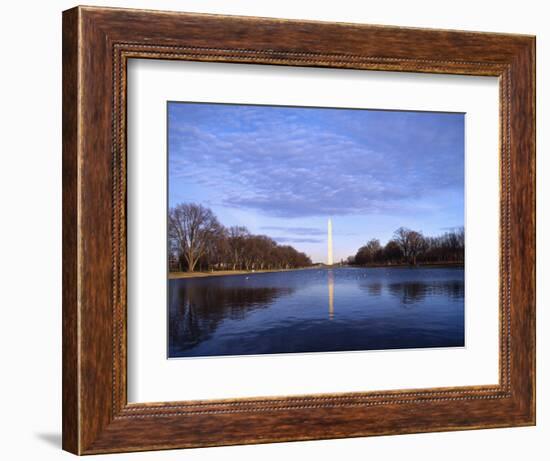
(281, 230)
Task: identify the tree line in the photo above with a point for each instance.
(412, 247)
(197, 240)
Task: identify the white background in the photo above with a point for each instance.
(153, 378)
(30, 247)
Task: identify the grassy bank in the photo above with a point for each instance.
(188, 275)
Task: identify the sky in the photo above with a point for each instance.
(283, 171)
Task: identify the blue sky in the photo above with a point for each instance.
(283, 171)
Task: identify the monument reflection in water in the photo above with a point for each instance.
(293, 311)
(330, 294)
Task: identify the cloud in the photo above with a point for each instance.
(297, 240)
(288, 162)
(296, 230)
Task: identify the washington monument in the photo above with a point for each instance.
(330, 258)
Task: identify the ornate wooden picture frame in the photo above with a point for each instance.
(97, 44)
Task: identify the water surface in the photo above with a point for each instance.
(316, 310)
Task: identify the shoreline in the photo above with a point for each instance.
(440, 264)
(191, 275)
(198, 274)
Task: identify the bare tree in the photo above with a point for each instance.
(369, 253)
(412, 247)
(237, 240)
(191, 228)
(199, 242)
(392, 252)
(400, 236)
(412, 243)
